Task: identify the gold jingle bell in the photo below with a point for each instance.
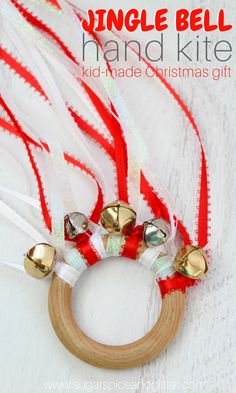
(118, 218)
(40, 260)
(191, 262)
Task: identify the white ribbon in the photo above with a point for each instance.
(139, 156)
(67, 273)
(149, 256)
(38, 59)
(138, 153)
(97, 242)
(33, 52)
(21, 197)
(21, 223)
(60, 191)
(12, 265)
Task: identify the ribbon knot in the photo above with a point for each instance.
(133, 242)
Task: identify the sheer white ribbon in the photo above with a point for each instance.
(31, 48)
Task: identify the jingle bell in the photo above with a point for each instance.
(118, 218)
(40, 260)
(155, 232)
(191, 262)
(75, 224)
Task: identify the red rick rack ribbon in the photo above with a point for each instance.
(133, 242)
(203, 208)
(17, 130)
(85, 247)
(109, 120)
(158, 206)
(22, 135)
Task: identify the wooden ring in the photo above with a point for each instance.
(106, 356)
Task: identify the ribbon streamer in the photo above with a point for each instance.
(20, 222)
(70, 160)
(155, 203)
(116, 117)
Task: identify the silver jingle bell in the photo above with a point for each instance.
(75, 224)
(155, 232)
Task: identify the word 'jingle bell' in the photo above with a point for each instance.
(155, 232)
(75, 224)
(40, 260)
(118, 218)
(191, 262)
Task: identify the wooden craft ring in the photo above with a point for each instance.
(106, 356)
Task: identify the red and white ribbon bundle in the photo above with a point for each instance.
(95, 117)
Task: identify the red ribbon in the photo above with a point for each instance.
(202, 225)
(109, 120)
(203, 207)
(22, 135)
(12, 129)
(133, 242)
(120, 145)
(178, 282)
(32, 81)
(154, 202)
(85, 247)
(157, 205)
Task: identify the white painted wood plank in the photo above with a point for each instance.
(116, 301)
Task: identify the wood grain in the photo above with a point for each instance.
(106, 356)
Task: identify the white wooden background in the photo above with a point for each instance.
(116, 302)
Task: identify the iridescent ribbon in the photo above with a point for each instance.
(203, 194)
(155, 203)
(69, 159)
(35, 21)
